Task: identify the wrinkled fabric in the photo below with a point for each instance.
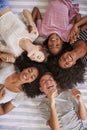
(67, 108)
(57, 18)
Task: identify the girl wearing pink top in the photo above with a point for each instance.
(56, 23)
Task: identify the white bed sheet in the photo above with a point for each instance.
(26, 116)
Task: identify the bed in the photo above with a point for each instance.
(26, 116)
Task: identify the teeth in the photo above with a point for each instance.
(70, 58)
(53, 39)
(49, 87)
(24, 76)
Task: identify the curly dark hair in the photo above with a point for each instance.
(22, 62)
(67, 78)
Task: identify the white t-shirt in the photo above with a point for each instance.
(12, 30)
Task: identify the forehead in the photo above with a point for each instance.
(32, 69)
(46, 76)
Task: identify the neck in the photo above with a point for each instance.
(80, 50)
(18, 82)
(77, 54)
(13, 83)
(26, 45)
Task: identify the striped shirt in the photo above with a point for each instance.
(83, 36)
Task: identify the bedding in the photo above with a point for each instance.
(26, 116)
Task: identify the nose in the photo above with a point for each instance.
(53, 42)
(32, 57)
(48, 82)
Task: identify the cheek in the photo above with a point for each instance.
(57, 50)
(41, 88)
(30, 80)
(60, 61)
(73, 63)
(49, 43)
(42, 57)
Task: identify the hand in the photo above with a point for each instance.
(76, 93)
(2, 91)
(73, 34)
(31, 29)
(51, 95)
(7, 57)
(79, 97)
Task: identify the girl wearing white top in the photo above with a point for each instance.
(15, 33)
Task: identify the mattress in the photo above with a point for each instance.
(26, 116)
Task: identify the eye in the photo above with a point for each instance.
(38, 57)
(51, 79)
(33, 77)
(66, 64)
(29, 70)
(43, 81)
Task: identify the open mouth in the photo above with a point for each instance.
(25, 77)
(70, 58)
(50, 87)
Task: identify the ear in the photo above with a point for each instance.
(41, 89)
(74, 62)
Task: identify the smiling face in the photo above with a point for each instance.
(47, 83)
(36, 54)
(29, 74)
(55, 44)
(67, 60)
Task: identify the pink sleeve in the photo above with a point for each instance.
(74, 10)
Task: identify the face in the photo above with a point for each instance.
(55, 44)
(47, 83)
(37, 56)
(67, 60)
(29, 74)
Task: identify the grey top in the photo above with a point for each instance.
(67, 107)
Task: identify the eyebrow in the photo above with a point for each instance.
(48, 78)
(34, 76)
(30, 70)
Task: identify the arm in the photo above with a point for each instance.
(82, 21)
(5, 108)
(76, 28)
(53, 122)
(75, 19)
(80, 48)
(7, 57)
(82, 109)
(31, 25)
(2, 91)
(28, 16)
